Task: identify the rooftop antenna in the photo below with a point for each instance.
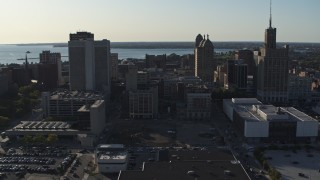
(270, 20)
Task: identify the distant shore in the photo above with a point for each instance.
(184, 45)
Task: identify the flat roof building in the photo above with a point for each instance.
(85, 108)
(34, 128)
(190, 164)
(90, 62)
(111, 158)
(259, 122)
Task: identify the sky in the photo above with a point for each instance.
(45, 21)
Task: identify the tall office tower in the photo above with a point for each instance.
(50, 73)
(236, 75)
(204, 65)
(89, 62)
(272, 69)
(199, 38)
(131, 78)
(114, 66)
(47, 57)
(247, 56)
(156, 61)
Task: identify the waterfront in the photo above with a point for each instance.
(10, 53)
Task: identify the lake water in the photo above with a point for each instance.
(10, 53)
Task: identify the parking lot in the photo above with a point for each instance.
(139, 155)
(18, 162)
(195, 134)
(143, 133)
(295, 165)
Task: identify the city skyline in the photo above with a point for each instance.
(126, 21)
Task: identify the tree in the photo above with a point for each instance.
(265, 165)
(274, 174)
(4, 120)
(39, 139)
(52, 138)
(27, 139)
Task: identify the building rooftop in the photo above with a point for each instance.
(65, 94)
(245, 101)
(201, 155)
(187, 170)
(42, 125)
(244, 112)
(112, 157)
(110, 146)
(271, 113)
(97, 103)
(42, 128)
(298, 114)
(86, 108)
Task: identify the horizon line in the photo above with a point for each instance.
(31, 43)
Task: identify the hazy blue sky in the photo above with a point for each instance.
(25, 21)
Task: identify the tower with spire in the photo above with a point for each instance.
(270, 37)
(272, 69)
(204, 61)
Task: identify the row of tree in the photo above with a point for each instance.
(4, 121)
(273, 173)
(19, 103)
(40, 139)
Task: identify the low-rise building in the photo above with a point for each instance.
(190, 164)
(33, 128)
(93, 117)
(268, 123)
(3, 84)
(143, 103)
(87, 109)
(198, 106)
(299, 88)
(114, 66)
(229, 104)
(64, 130)
(111, 158)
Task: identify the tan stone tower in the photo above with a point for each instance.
(272, 72)
(204, 62)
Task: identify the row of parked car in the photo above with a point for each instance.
(26, 168)
(63, 166)
(27, 160)
(38, 154)
(37, 151)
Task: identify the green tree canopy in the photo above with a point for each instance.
(4, 120)
(52, 138)
(39, 139)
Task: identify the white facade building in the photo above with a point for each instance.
(111, 158)
(228, 104)
(260, 122)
